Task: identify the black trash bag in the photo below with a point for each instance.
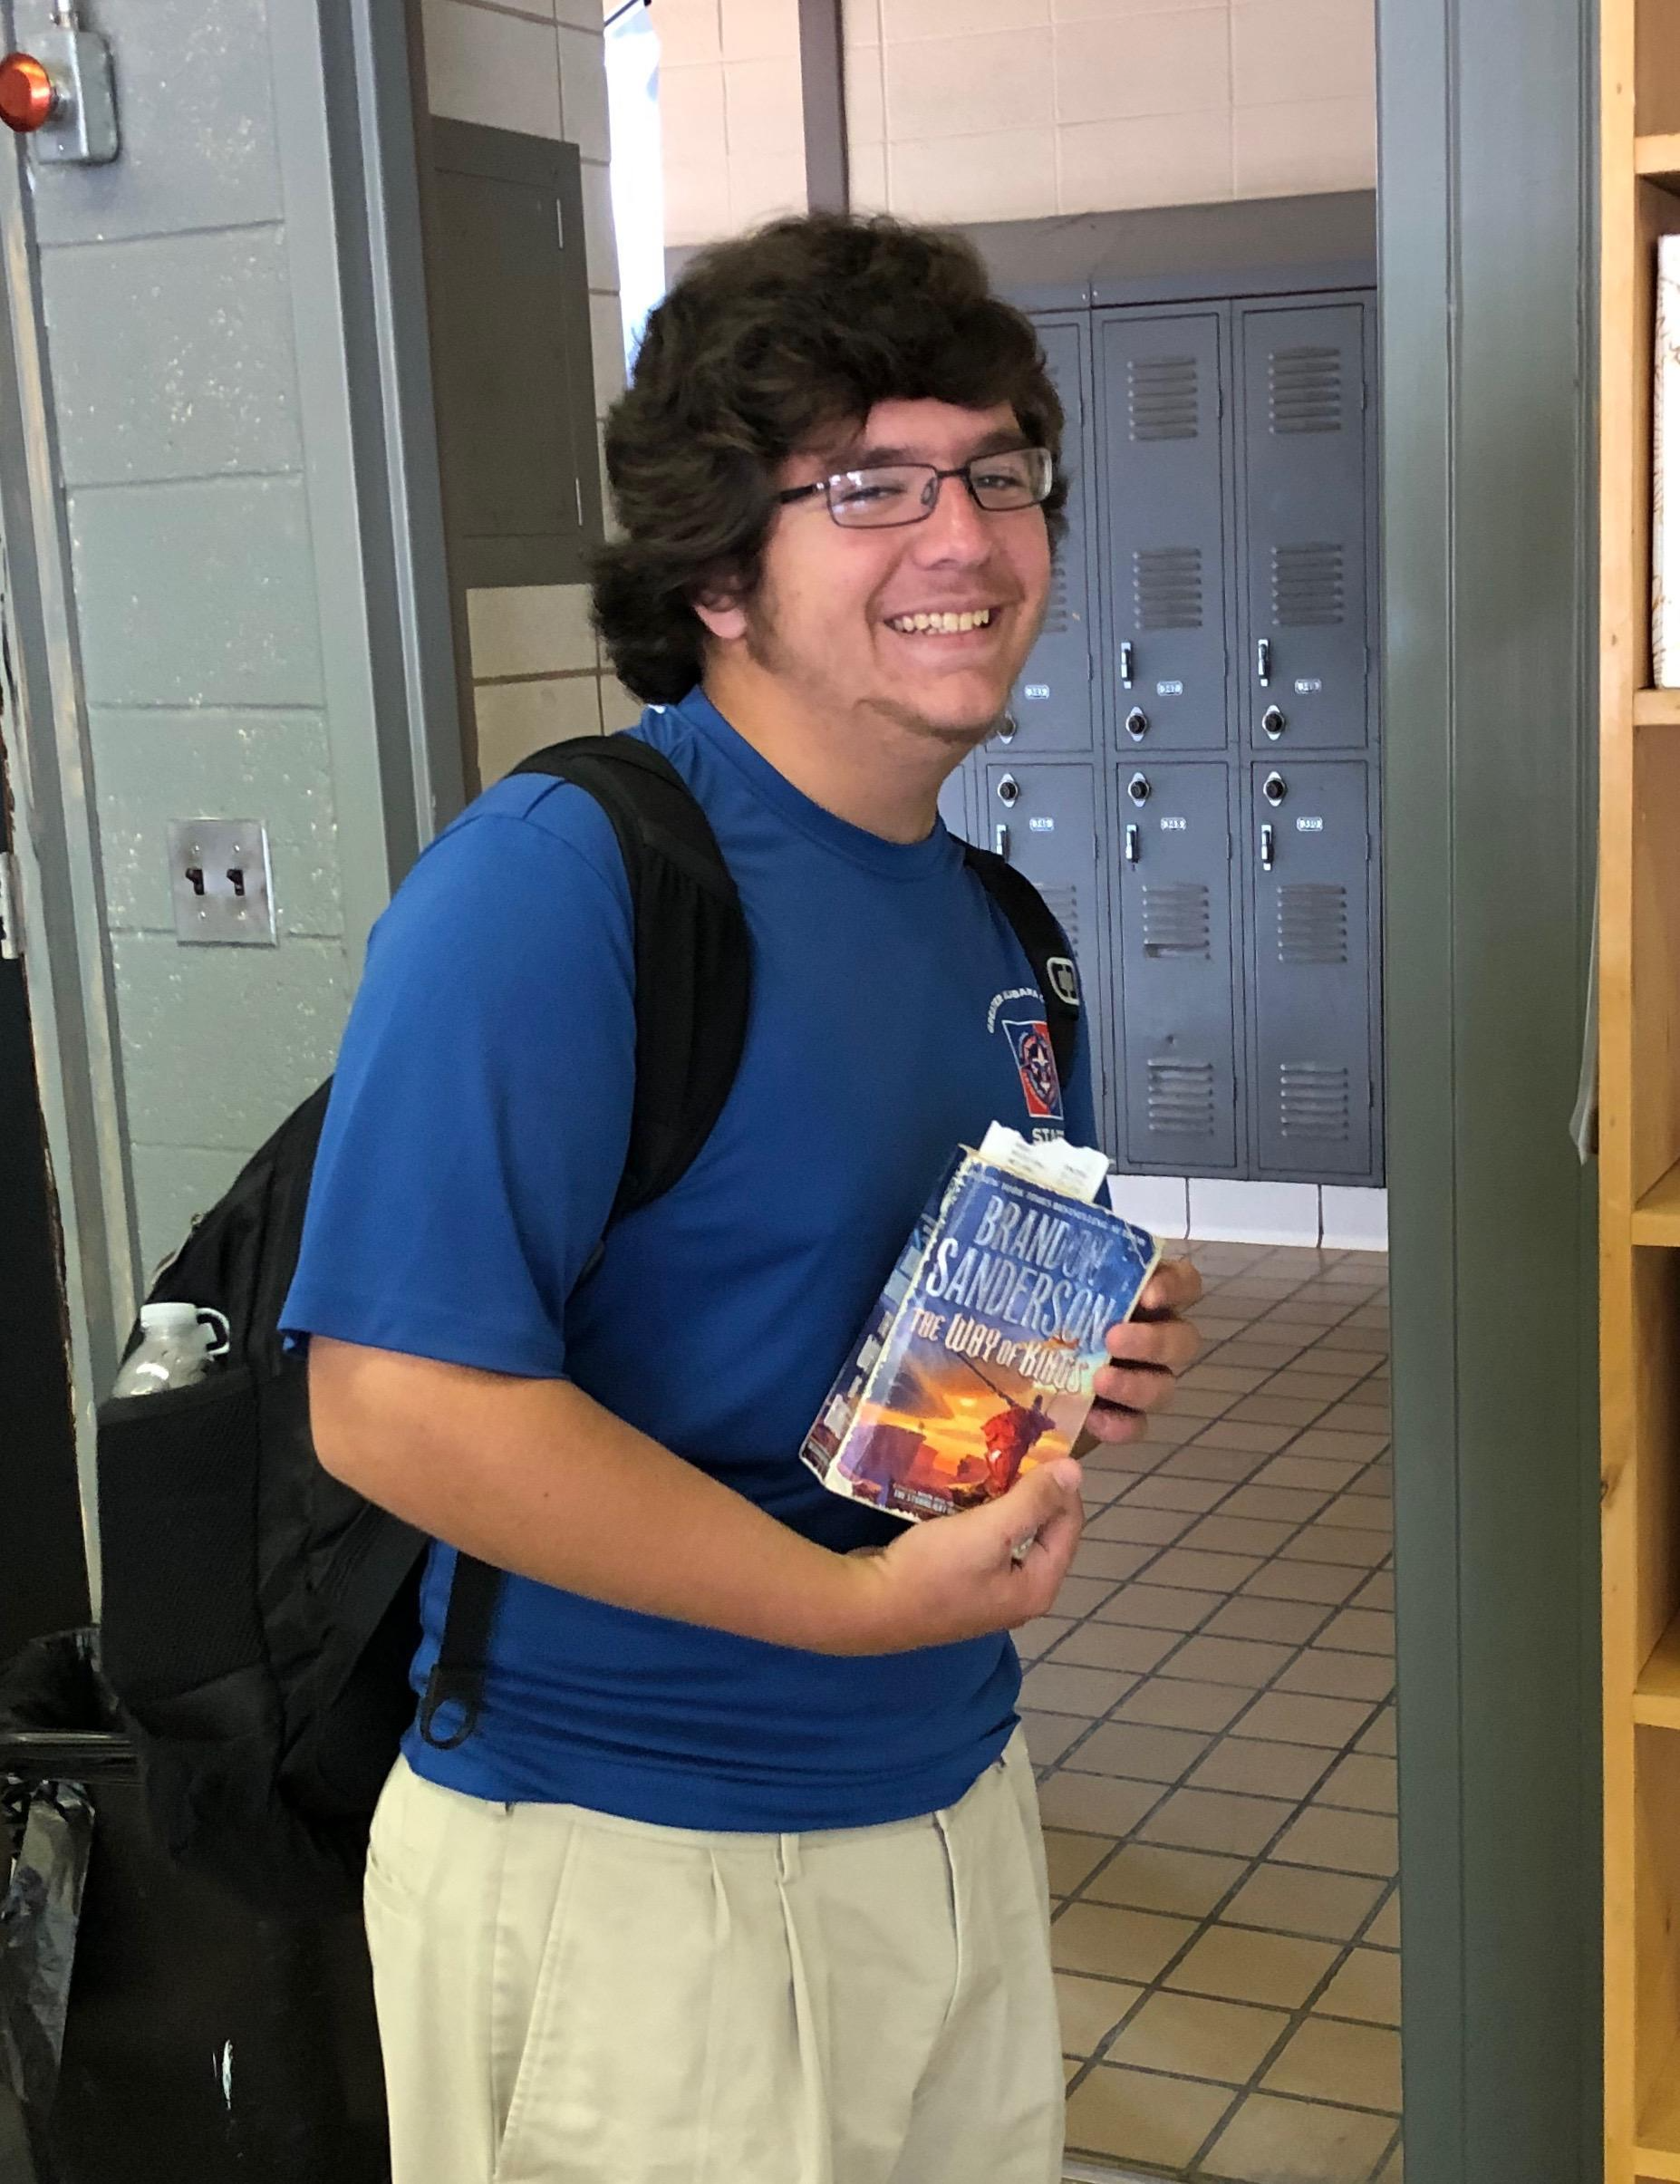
(151, 2027)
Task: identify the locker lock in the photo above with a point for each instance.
(1008, 790)
(1009, 728)
(1137, 724)
(1137, 789)
(1273, 722)
(1274, 788)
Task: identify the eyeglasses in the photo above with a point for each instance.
(893, 493)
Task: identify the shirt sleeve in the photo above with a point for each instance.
(480, 1118)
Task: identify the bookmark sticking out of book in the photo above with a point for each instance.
(980, 1358)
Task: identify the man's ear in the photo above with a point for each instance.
(723, 616)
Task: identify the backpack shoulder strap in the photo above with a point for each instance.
(1043, 942)
(693, 967)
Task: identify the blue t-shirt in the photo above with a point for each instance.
(474, 1141)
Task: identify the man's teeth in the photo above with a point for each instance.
(941, 625)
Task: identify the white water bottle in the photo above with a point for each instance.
(176, 1345)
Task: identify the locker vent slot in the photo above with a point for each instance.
(1057, 621)
(1162, 397)
(1312, 1101)
(1305, 390)
(1063, 904)
(1166, 587)
(1312, 924)
(1181, 1099)
(1176, 919)
(1307, 587)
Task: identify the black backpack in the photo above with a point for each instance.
(259, 1618)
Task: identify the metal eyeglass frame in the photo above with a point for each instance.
(928, 499)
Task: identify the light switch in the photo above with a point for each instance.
(220, 881)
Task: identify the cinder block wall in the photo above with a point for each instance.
(1004, 110)
(540, 68)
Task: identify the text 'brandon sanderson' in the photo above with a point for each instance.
(1031, 1270)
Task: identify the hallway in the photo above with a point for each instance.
(1211, 1712)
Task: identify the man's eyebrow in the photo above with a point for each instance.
(850, 456)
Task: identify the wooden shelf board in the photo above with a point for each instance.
(1657, 157)
(1656, 1696)
(1657, 1217)
(1656, 708)
(1656, 2162)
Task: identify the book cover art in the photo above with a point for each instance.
(980, 1358)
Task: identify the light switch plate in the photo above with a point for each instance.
(219, 882)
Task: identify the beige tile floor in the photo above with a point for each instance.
(1211, 1712)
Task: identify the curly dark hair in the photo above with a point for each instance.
(766, 342)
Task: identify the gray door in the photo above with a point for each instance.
(1164, 530)
(1052, 706)
(1177, 1045)
(1306, 670)
(1310, 873)
(1042, 815)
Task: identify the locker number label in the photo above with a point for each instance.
(1036, 690)
(1041, 826)
(1169, 690)
(1310, 825)
(1175, 827)
(1305, 685)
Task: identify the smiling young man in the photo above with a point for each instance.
(740, 1879)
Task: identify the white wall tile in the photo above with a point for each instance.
(515, 718)
(1160, 1204)
(530, 629)
(606, 343)
(759, 190)
(600, 240)
(582, 13)
(619, 708)
(760, 30)
(962, 87)
(687, 31)
(1354, 1220)
(861, 22)
(763, 109)
(696, 199)
(1319, 144)
(544, 10)
(866, 171)
(1149, 64)
(939, 18)
(691, 113)
(500, 71)
(1104, 11)
(1151, 159)
(1006, 176)
(584, 91)
(1279, 48)
(1222, 1212)
(865, 98)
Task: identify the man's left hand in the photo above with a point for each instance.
(1148, 1352)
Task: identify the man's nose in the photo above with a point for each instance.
(957, 528)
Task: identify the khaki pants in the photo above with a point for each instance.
(567, 1998)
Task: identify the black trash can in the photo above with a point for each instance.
(193, 2039)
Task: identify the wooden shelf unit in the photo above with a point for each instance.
(1639, 1127)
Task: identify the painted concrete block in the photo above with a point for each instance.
(199, 593)
(202, 380)
(152, 767)
(195, 103)
(219, 1044)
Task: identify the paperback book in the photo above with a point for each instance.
(980, 1358)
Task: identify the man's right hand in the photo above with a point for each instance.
(958, 1576)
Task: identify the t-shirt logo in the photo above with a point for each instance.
(1036, 1060)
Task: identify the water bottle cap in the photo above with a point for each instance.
(167, 1318)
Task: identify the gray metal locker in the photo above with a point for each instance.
(1311, 986)
(1042, 815)
(953, 802)
(1053, 705)
(1306, 665)
(1165, 529)
(1177, 1047)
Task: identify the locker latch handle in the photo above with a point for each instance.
(1009, 728)
(1127, 662)
(1262, 662)
(1137, 724)
(1132, 845)
(1273, 721)
(1269, 847)
(1001, 840)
